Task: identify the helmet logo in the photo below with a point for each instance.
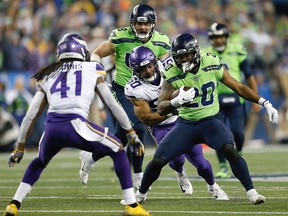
(142, 19)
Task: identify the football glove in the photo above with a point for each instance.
(271, 111)
(183, 97)
(135, 144)
(15, 157)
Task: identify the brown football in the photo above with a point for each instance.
(176, 92)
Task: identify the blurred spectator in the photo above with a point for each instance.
(3, 103)
(15, 55)
(18, 99)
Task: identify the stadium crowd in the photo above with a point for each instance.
(30, 30)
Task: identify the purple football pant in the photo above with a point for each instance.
(61, 134)
(194, 156)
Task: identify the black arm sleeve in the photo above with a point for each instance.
(246, 68)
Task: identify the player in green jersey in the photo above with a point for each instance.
(199, 119)
(121, 42)
(234, 59)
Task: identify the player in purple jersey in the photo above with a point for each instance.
(121, 42)
(68, 88)
(143, 90)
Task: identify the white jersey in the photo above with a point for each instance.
(71, 89)
(136, 88)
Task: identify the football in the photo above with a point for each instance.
(176, 92)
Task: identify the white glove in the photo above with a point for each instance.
(183, 97)
(271, 111)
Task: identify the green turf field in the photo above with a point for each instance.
(59, 192)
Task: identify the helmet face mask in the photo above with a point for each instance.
(185, 51)
(142, 21)
(218, 36)
(72, 46)
(143, 63)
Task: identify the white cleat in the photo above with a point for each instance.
(140, 197)
(86, 166)
(217, 192)
(137, 183)
(184, 182)
(255, 198)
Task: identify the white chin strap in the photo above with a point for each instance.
(187, 66)
(142, 36)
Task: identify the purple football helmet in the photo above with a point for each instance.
(72, 46)
(139, 59)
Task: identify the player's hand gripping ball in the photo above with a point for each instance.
(182, 96)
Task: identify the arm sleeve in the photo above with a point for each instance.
(115, 108)
(30, 116)
(246, 68)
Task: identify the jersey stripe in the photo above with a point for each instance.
(123, 40)
(212, 67)
(178, 77)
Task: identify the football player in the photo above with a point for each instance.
(199, 119)
(68, 88)
(234, 59)
(143, 91)
(121, 42)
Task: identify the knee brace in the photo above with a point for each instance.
(158, 162)
(229, 152)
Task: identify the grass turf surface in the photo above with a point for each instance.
(59, 192)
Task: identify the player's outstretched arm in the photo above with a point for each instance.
(120, 115)
(36, 107)
(103, 50)
(247, 93)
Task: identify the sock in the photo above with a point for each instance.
(22, 191)
(129, 196)
(138, 175)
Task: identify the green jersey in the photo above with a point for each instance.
(205, 83)
(231, 58)
(124, 41)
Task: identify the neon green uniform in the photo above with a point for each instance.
(231, 58)
(205, 83)
(124, 41)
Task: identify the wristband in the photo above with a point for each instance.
(261, 101)
(95, 57)
(174, 102)
(169, 115)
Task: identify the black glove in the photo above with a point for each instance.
(15, 157)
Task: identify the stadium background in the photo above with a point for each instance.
(30, 30)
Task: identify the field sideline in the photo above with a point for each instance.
(59, 192)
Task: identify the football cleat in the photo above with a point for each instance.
(255, 198)
(86, 166)
(11, 210)
(223, 174)
(217, 192)
(140, 198)
(184, 182)
(137, 183)
(137, 211)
